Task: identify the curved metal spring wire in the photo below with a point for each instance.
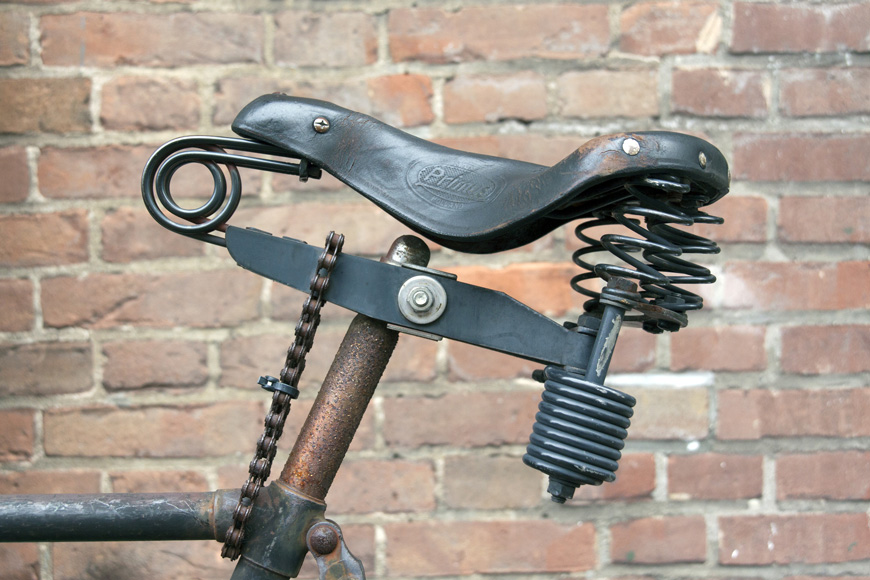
(210, 152)
(659, 267)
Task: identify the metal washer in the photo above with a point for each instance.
(414, 308)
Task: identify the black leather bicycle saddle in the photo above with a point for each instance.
(477, 203)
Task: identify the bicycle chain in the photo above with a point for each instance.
(267, 445)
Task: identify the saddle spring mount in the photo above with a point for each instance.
(581, 425)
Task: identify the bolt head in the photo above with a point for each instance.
(323, 539)
(702, 160)
(321, 124)
(421, 299)
(631, 146)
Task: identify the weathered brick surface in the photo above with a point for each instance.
(46, 368)
(498, 32)
(20, 561)
(91, 172)
(475, 99)
(130, 234)
(799, 27)
(471, 483)
(824, 219)
(799, 157)
(713, 476)
(594, 93)
(16, 176)
(153, 431)
(16, 434)
(44, 239)
(659, 28)
(403, 486)
(193, 299)
(334, 39)
(158, 481)
(50, 482)
(811, 350)
(142, 364)
(800, 538)
(720, 93)
(827, 475)
(814, 92)
(50, 105)
(146, 104)
(669, 413)
(770, 413)
(17, 298)
(154, 40)
(659, 540)
(733, 348)
(15, 31)
(437, 548)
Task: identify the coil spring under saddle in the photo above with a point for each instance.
(663, 202)
(579, 432)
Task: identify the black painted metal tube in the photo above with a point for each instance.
(115, 517)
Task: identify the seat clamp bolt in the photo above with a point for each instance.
(631, 146)
(321, 124)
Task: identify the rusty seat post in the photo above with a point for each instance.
(346, 391)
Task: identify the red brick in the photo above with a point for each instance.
(50, 482)
(714, 476)
(659, 540)
(130, 234)
(54, 105)
(20, 561)
(498, 33)
(812, 350)
(86, 172)
(463, 419)
(724, 348)
(17, 299)
(720, 93)
(797, 285)
(793, 413)
(659, 28)
(541, 286)
(45, 368)
(635, 351)
(152, 363)
(793, 539)
(149, 104)
(158, 481)
(328, 39)
(367, 229)
(44, 239)
(669, 413)
(157, 40)
(471, 363)
(824, 219)
(401, 100)
(367, 486)
(15, 31)
(800, 27)
(140, 560)
(469, 99)
(541, 149)
(182, 431)
(197, 299)
(823, 475)
(16, 176)
(635, 479)
(470, 482)
(817, 92)
(16, 434)
(745, 220)
(433, 548)
(799, 157)
(603, 93)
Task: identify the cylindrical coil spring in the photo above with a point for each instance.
(579, 430)
(662, 202)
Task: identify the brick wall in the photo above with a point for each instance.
(128, 356)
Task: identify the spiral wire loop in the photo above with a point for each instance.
(210, 152)
(659, 267)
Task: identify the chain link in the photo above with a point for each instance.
(267, 445)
